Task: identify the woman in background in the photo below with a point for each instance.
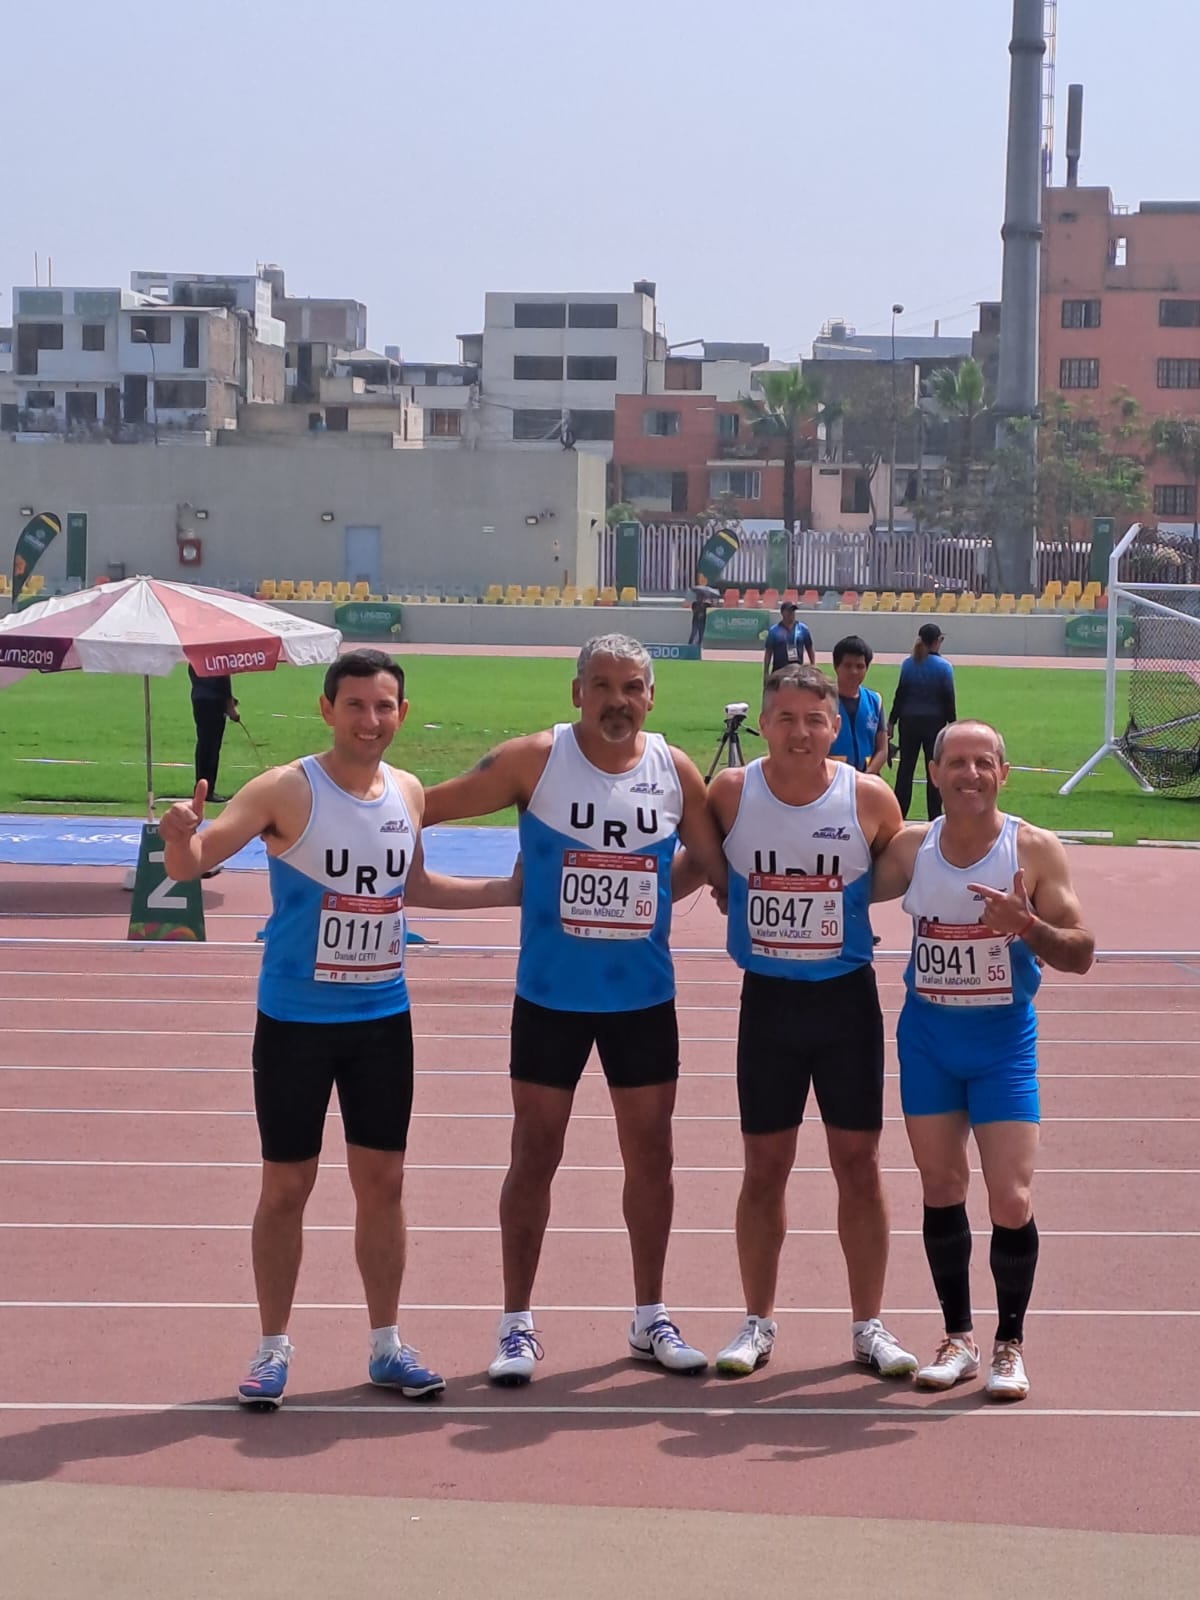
(923, 705)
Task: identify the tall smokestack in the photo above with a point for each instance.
(1074, 132)
(1016, 385)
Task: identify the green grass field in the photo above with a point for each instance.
(460, 707)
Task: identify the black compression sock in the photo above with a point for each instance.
(1014, 1262)
(947, 1233)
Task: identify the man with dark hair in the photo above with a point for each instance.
(788, 642)
(212, 704)
(601, 804)
(343, 838)
(861, 736)
(800, 834)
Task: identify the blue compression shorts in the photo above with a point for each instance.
(981, 1061)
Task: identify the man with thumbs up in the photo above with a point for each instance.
(991, 901)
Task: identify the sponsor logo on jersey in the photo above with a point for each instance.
(832, 833)
(396, 825)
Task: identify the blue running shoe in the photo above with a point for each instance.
(400, 1369)
(262, 1387)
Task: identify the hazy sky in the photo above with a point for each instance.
(770, 164)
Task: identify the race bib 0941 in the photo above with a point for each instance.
(962, 964)
(794, 919)
(360, 939)
(608, 896)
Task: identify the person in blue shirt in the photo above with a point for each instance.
(861, 737)
(788, 642)
(923, 705)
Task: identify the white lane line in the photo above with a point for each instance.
(502, 1166)
(684, 1038)
(493, 1228)
(469, 1116)
(892, 1411)
(1082, 1076)
(490, 1308)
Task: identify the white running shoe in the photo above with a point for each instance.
(880, 1350)
(749, 1349)
(956, 1360)
(517, 1353)
(663, 1342)
(1006, 1379)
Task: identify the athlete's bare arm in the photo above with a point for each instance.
(274, 806)
(1042, 891)
(722, 799)
(893, 870)
(507, 776)
(439, 890)
(879, 814)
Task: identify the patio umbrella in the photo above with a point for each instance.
(148, 626)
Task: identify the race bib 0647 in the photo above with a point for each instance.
(962, 964)
(794, 919)
(360, 939)
(607, 896)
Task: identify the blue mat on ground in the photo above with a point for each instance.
(113, 842)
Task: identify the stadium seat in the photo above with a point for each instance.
(1086, 602)
(1052, 590)
(907, 601)
(869, 601)
(360, 590)
(1025, 605)
(926, 603)
(848, 600)
(628, 595)
(887, 601)
(770, 599)
(830, 600)
(946, 604)
(533, 594)
(570, 595)
(286, 590)
(607, 596)
(266, 589)
(753, 598)
(513, 595)
(986, 605)
(493, 594)
(730, 597)
(809, 600)
(966, 605)
(792, 595)
(589, 595)
(1102, 602)
(1006, 604)
(324, 590)
(305, 589)
(552, 596)
(341, 591)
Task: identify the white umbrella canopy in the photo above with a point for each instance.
(147, 626)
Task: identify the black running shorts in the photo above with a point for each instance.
(636, 1048)
(297, 1064)
(828, 1034)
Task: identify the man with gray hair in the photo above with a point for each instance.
(601, 804)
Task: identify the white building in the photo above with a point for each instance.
(721, 371)
(552, 365)
(250, 293)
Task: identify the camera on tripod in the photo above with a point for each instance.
(730, 746)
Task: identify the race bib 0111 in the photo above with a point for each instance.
(608, 896)
(360, 939)
(962, 964)
(794, 919)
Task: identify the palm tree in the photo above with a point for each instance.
(789, 400)
(960, 395)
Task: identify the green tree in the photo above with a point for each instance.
(960, 396)
(623, 511)
(789, 402)
(1178, 439)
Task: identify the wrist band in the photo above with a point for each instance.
(1026, 925)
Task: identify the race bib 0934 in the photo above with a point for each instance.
(608, 896)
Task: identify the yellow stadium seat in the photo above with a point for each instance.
(4, 583)
(946, 604)
(1052, 589)
(966, 605)
(360, 590)
(570, 595)
(926, 603)
(552, 595)
(1006, 604)
(513, 595)
(533, 594)
(1086, 602)
(341, 591)
(324, 590)
(887, 601)
(1074, 587)
(589, 596)
(869, 602)
(986, 606)
(266, 589)
(493, 595)
(1025, 605)
(607, 596)
(906, 602)
(1092, 587)
(286, 590)
(305, 590)
(628, 596)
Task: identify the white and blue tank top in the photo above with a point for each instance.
(596, 850)
(335, 940)
(799, 881)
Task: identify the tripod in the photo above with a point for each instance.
(730, 746)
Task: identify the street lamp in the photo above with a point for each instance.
(897, 311)
(142, 336)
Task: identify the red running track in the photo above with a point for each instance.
(129, 1168)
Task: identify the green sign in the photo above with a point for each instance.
(738, 629)
(162, 908)
(1103, 531)
(777, 558)
(1087, 634)
(628, 555)
(77, 546)
(373, 619)
(673, 652)
(37, 533)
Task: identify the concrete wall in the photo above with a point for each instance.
(264, 506)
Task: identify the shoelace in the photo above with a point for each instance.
(947, 1351)
(667, 1332)
(1005, 1359)
(405, 1354)
(521, 1341)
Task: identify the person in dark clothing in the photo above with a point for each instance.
(923, 705)
(701, 606)
(212, 703)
